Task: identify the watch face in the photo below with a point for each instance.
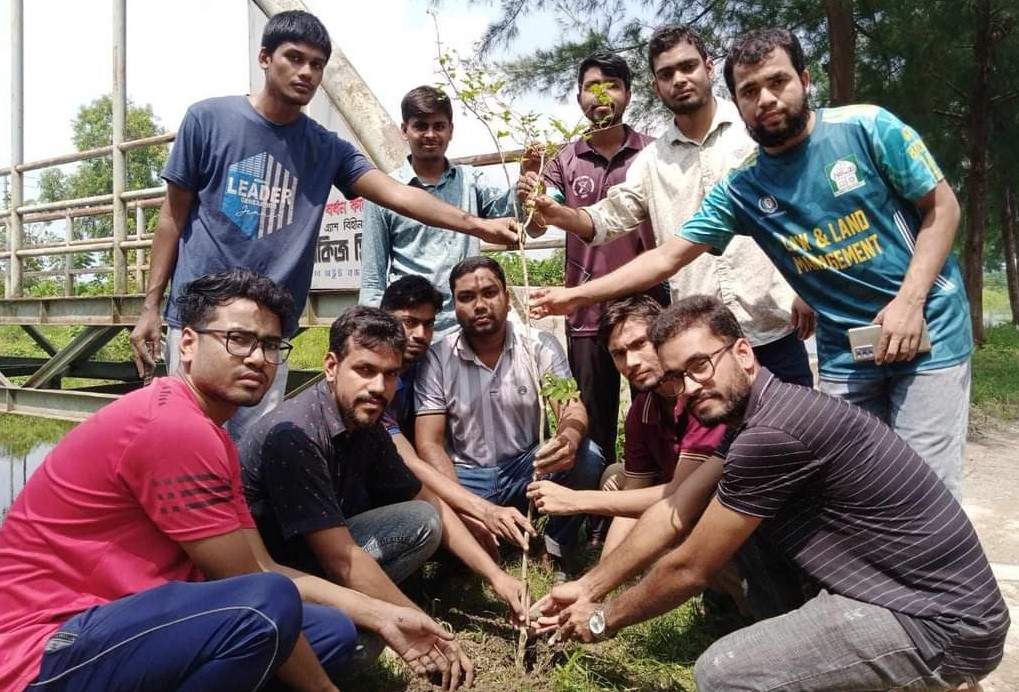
(596, 623)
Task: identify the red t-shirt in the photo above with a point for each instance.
(658, 430)
(103, 516)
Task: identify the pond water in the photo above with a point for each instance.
(15, 470)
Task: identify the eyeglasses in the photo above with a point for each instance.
(700, 370)
(242, 344)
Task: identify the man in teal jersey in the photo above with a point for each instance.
(851, 207)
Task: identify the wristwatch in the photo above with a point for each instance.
(596, 623)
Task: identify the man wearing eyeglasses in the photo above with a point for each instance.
(907, 597)
(130, 560)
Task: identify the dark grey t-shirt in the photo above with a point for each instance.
(863, 515)
(260, 191)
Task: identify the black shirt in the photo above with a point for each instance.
(304, 471)
(862, 514)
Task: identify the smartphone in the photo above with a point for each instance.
(863, 341)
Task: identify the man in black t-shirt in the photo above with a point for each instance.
(328, 489)
(907, 596)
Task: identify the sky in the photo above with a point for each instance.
(182, 51)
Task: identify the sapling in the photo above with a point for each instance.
(481, 92)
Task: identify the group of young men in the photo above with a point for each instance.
(157, 549)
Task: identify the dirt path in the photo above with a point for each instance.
(991, 499)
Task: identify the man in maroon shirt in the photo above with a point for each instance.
(664, 444)
(583, 171)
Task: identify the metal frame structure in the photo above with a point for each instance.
(103, 317)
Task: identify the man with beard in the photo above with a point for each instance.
(665, 184)
(478, 415)
(395, 245)
(415, 302)
(853, 210)
(247, 182)
(130, 560)
(584, 171)
(329, 492)
(907, 596)
(663, 444)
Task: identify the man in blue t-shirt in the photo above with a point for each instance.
(246, 184)
(850, 206)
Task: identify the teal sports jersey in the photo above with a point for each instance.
(835, 216)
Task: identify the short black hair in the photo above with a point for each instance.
(296, 26)
(200, 298)
(610, 64)
(641, 307)
(668, 37)
(755, 46)
(472, 264)
(695, 311)
(409, 292)
(367, 327)
(423, 101)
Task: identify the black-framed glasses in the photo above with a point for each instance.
(700, 370)
(242, 344)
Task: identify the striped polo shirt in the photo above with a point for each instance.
(492, 413)
(862, 514)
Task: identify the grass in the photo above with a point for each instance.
(995, 398)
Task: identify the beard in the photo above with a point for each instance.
(689, 106)
(355, 419)
(734, 400)
(493, 326)
(796, 122)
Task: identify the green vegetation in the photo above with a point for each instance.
(996, 378)
(541, 272)
(19, 434)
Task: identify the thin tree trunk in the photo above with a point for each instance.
(841, 51)
(976, 206)
(1009, 233)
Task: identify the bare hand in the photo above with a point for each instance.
(511, 591)
(508, 523)
(532, 158)
(901, 327)
(460, 672)
(556, 455)
(552, 498)
(501, 231)
(146, 341)
(527, 185)
(417, 639)
(485, 538)
(804, 320)
(545, 613)
(553, 301)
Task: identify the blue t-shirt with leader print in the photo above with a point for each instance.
(260, 192)
(836, 214)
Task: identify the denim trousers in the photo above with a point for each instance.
(831, 643)
(228, 634)
(506, 485)
(929, 410)
(787, 360)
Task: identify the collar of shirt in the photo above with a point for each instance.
(632, 141)
(330, 410)
(757, 393)
(464, 350)
(657, 409)
(725, 114)
(406, 175)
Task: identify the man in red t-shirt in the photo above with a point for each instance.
(663, 443)
(130, 561)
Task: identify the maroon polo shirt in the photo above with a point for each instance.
(584, 176)
(657, 431)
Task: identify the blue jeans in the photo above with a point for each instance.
(401, 537)
(787, 360)
(506, 485)
(228, 634)
(831, 643)
(929, 410)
